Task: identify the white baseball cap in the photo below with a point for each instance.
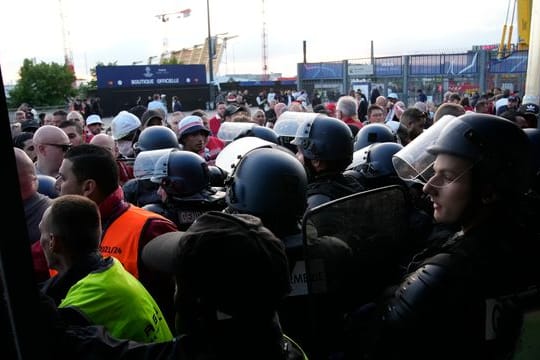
(94, 119)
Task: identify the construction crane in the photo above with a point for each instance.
(164, 19)
(179, 14)
(524, 8)
(264, 46)
(223, 49)
(68, 54)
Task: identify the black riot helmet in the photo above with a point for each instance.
(379, 160)
(47, 186)
(156, 137)
(217, 176)
(261, 132)
(373, 133)
(268, 181)
(498, 149)
(325, 138)
(181, 173)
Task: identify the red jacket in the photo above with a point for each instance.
(214, 145)
(214, 123)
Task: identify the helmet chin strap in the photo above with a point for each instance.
(310, 170)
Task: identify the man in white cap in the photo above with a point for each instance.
(94, 124)
(125, 129)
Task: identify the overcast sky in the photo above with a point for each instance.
(127, 31)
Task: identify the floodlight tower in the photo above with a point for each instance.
(165, 19)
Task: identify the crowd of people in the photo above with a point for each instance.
(360, 229)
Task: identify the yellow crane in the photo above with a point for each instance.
(524, 9)
(532, 84)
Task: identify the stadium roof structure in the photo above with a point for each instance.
(198, 54)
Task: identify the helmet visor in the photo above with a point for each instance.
(231, 154)
(228, 131)
(289, 121)
(145, 163)
(413, 162)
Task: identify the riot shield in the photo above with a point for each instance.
(371, 225)
(369, 222)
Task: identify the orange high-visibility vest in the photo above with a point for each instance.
(121, 239)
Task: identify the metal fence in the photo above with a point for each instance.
(465, 73)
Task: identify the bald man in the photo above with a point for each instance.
(125, 171)
(106, 141)
(50, 143)
(34, 203)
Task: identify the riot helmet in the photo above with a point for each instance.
(217, 176)
(47, 186)
(373, 133)
(145, 163)
(230, 131)
(498, 149)
(379, 160)
(232, 153)
(325, 138)
(154, 138)
(287, 125)
(260, 132)
(214, 260)
(181, 173)
(268, 181)
(413, 162)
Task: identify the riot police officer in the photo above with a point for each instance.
(464, 299)
(325, 147)
(183, 182)
(270, 183)
(140, 190)
(374, 170)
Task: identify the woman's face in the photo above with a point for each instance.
(450, 188)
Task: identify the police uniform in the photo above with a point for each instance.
(184, 211)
